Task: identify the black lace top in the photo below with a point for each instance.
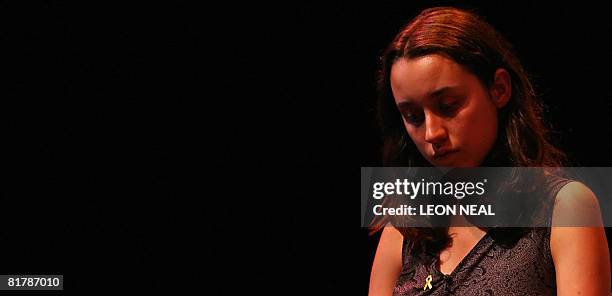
(525, 268)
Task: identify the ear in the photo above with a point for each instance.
(501, 89)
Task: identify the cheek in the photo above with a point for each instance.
(480, 126)
(417, 136)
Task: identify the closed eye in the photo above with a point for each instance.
(446, 108)
(449, 107)
(414, 118)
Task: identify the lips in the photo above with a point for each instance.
(438, 154)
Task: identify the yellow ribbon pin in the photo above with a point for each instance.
(427, 283)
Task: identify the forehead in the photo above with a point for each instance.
(416, 78)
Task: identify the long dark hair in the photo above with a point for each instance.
(472, 43)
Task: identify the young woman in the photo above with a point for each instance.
(453, 94)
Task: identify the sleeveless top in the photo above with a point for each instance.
(525, 268)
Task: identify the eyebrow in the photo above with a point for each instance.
(434, 94)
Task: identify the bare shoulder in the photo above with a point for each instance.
(578, 242)
(387, 263)
(575, 193)
(576, 221)
(576, 205)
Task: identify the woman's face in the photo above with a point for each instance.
(449, 114)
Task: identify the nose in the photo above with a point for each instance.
(435, 131)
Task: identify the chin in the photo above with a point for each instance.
(454, 164)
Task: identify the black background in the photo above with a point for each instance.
(176, 146)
